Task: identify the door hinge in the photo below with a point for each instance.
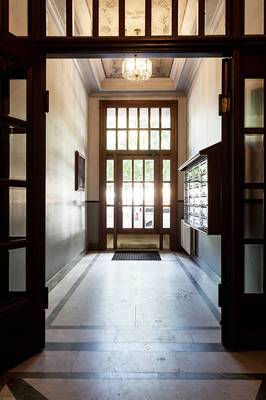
(220, 295)
(45, 297)
(224, 104)
(46, 101)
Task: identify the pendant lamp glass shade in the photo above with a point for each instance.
(137, 69)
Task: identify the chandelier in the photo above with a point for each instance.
(137, 69)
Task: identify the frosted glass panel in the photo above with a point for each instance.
(138, 193)
(165, 140)
(111, 118)
(18, 99)
(18, 17)
(188, 17)
(254, 214)
(254, 103)
(109, 217)
(17, 154)
(154, 140)
(138, 217)
(135, 17)
(127, 170)
(149, 218)
(122, 118)
(154, 117)
(165, 118)
(166, 193)
(56, 26)
(17, 270)
(110, 170)
(110, 193)
(214, 24)
(127, 193)
(149, 193)
(143, 140)
(17, 211)
(253, 268)
(138, 170)
(254, 17)
(254, 158)
(111, 140)
(82, 17)
(127, 217)
(166, 217)
(161, 17)
(132, 140)
(149, 170)
(166, 170)
(133, 117)
(122, 140)
(144, 117)
(108, 18)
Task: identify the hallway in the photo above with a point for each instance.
(136, 330)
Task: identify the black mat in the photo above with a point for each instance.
(136, 255)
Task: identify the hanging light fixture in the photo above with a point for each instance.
(137, 69)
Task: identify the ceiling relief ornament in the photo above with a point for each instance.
(161, 67)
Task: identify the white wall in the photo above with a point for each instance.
(204, 129)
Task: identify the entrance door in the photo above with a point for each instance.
(138, 174)
(22, 201)
(243, 290)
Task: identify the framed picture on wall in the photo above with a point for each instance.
(79, 171)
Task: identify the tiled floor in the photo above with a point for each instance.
(136, 330)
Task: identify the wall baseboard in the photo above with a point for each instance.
(207, 269)
(58, 276)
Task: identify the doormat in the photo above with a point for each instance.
(136, 256)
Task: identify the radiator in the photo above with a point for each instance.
(186, 237)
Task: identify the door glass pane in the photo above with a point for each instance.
(17, 149)
(122, 118)
(82, 17)
(109, 241)
(254, 17)
(135, 18)
(138, 170)
(122, 140)
(133, 117)
(18, 17)
(138, 217)
(214, 25)
(161, 17)
(253, 268)
(127, 217)
(254, 103)
(108, 18)
(254, 214)
(166, 170)
(127, 193)
(166, 217)
(166, 193)
(110, 170)
(138, 193)
(154, 140)
(154, 117)
(111, 118)
(17, 211)
(109, 193)
(56, 18)
(17, 270)
(143, 140)
(149, 193)
(109, 217)
(149, 218)
(254, 158)
(132, 140)
(188, 17)
(18, 98)
(165, 140)
(143, 118)
(165, 118)
(111, 140)
(127, 170)
(149, 170)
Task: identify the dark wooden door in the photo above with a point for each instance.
(242, 293)
(22, 201)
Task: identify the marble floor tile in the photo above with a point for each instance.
(83, 389)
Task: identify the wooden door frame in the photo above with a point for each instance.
(172, 155)
(23, 320)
